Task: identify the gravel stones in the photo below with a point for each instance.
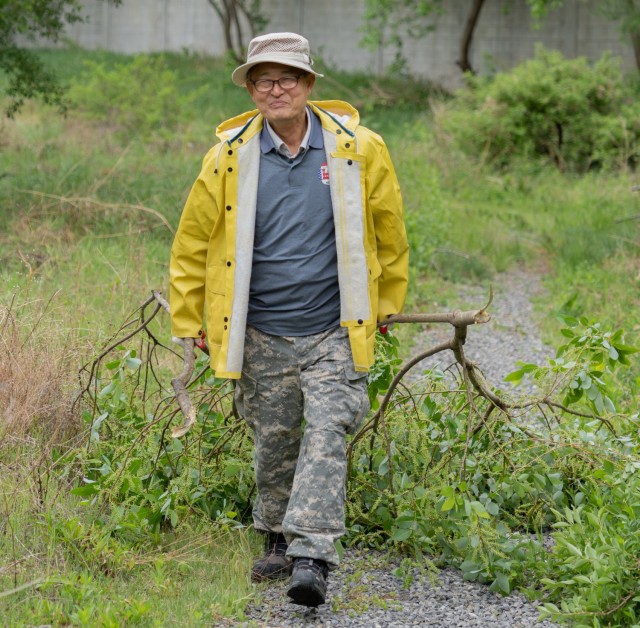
(365, 593)
(510, 336)
(365, 590)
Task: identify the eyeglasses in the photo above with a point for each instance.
(285, 82)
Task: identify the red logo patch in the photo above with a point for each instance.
(323, 173)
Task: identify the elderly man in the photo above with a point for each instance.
(292, 241)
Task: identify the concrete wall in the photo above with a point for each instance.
(501, 40)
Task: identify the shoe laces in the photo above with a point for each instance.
(276, 543)
(312, 564)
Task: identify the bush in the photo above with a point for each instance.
(138, 98)
(576, 116)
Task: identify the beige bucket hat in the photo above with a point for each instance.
(286, 48)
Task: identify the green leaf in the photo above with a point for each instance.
(470, 568)
(85, 491)
(504, 585)
(401, 534)
(480, 510)
(133, 363)
(608, 404)
(107, 390)
(493, 508)
(383, 467)
(573, 549)
(582, 578)
(448, 504)
(516, 376)
(626, 348)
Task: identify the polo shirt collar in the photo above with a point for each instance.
(270, 140)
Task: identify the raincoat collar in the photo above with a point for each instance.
(333, 114)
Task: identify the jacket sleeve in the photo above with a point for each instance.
(385, 203)
(188, 264)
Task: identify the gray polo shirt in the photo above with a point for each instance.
(294, 279)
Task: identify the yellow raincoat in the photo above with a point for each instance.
(212, 252)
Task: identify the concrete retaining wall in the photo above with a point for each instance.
(501, 41)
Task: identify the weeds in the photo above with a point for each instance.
(36, 388)
(85, 228)
(469, 479)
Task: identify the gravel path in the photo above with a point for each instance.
(364, 592)
(510, 336)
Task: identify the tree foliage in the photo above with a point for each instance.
(24, 23)
(452, 470)
(626, 13)
(390, 23)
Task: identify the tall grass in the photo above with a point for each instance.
(62, 562)
(87, 214)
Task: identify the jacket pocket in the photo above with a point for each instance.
(216, 276)
(214, 304)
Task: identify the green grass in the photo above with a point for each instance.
(86, 220)
(59, 569)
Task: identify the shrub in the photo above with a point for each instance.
(137, 98)
(564, 111)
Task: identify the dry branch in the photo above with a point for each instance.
(458, 319)
(85, 201)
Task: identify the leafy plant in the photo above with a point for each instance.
(563, 111)
(147, 480)
(445, 475)
(28, 76)
(139, 98)
(591, 576)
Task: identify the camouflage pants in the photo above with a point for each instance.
(300, 465)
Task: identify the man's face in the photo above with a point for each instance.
(280, 105)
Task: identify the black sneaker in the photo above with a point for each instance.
(308, 585)
(274, 565)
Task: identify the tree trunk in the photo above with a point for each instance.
(230, 19)
(635, 41)
(235, 18)
(467, 37)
